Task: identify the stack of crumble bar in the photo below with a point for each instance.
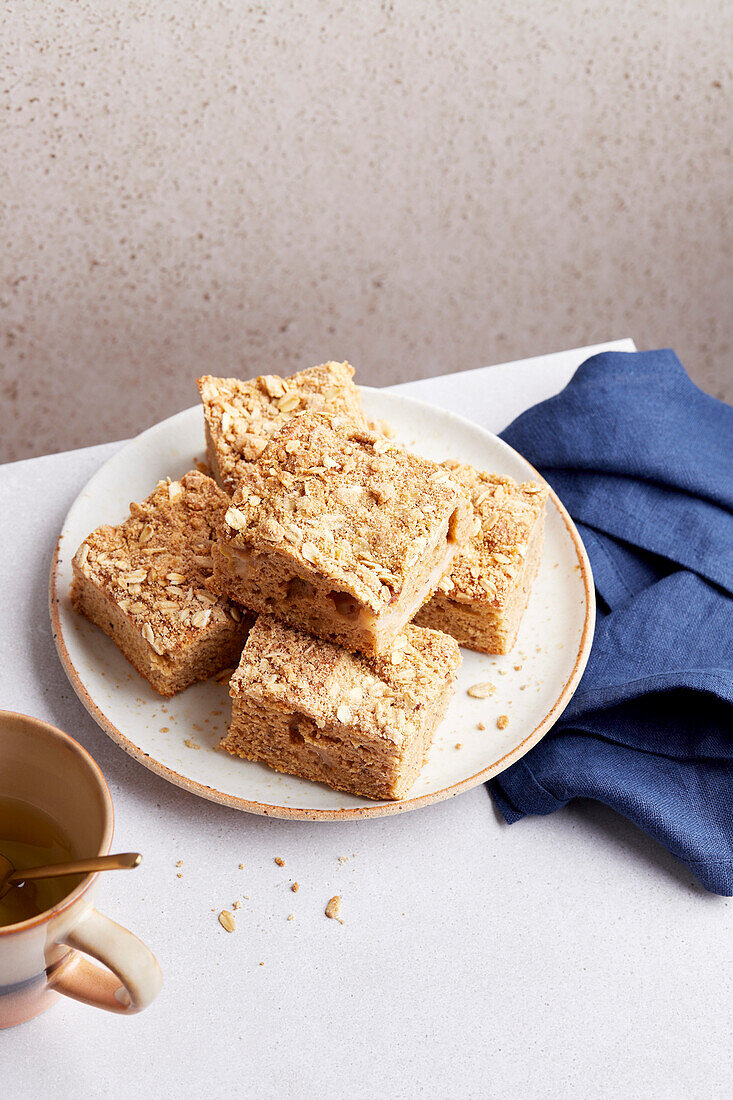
(338, 571)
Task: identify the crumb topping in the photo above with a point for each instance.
(348, 503)
(241, 416)
(155, 564)
(331, 686)
(489, 564)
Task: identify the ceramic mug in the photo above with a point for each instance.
(47, 954)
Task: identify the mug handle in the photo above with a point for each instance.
(129, 978)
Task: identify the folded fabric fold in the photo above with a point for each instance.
(643, 460)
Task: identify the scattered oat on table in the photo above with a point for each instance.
(480, 726)
(502, 721)
(227, 921)
(279, 861)
(237, 904)
(459, 744)
(481, 691)
(343, 859)
(333, 908)
(292, 916)
(241, 866)
(191, 744)
(180, 863)
(295, 887)
(179, 875)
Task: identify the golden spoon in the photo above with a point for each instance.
(10, 877)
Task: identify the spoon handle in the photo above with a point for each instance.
(121, 862)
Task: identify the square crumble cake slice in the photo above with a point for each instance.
(482, 600)
(143, 583)
(340, 533)
(359, 724)
(240, 416)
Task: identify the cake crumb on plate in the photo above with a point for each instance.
(481, 691)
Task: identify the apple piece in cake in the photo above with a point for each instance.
(339, 532)
(143, 583)
(482, 600)
(240, 416)
(359, 724)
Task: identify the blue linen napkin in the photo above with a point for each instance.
(643, 461)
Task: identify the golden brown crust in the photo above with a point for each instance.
(347, 504)
(241, 416)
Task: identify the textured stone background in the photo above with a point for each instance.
(420, 187)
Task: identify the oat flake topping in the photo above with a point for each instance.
(348, 502)
(331, 685)
(155, 564)
(241, 416)
(489, 564)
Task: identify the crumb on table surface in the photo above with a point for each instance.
(333, 909)
(227, 921)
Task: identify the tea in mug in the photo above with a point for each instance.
(30, 838)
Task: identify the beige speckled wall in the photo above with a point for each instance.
(420, 187)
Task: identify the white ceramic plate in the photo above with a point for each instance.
(534, 683)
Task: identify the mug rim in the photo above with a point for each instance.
(79, 890)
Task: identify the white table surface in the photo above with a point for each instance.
(562, 956)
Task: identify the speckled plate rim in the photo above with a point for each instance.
(266, 809)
